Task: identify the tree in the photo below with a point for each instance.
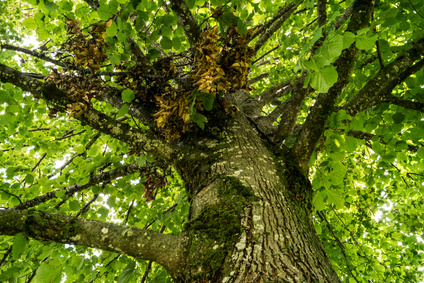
(221, 141)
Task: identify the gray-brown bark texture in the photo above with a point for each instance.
(250, 215)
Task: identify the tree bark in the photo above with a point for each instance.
(260, 202)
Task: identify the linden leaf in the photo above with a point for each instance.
(324, 79)
(29, 23)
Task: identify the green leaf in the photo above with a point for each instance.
(190, 3)
(335, 198)
(66, 5)
(166, 43)
(167, 20)
(4, 97)
(311, 65)
(153, 54)
(128, 95)
(19, 245)
(398, 117)
(348, 39)
(112, 30)
(122, 1)
(49, 271)
(337, 173)
(176, 43)
(103, 212)
(379, 267)
(199, 119)
(29, 23)
(127, 273)
(324, 79)
(12, 108)
(207, 99)
(50, 6)
(332, 46)
(141, 160)
(123, 111)
(420, 152)
(366, 42)
(60, 194)
(318, 200)
(29, 178)
(104, 12)
(74, 205)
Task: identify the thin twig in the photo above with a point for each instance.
(278, 46)
(415, 9)
(39, 161)
(12, 195)
(6, 254)
(339, 243)
(128, 212)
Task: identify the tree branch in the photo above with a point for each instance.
(322, 12)
(140, 111)
(139, 243)
(59, 100)
(187, 21)
(104, 177)
(268, 29)
(324, 106)
(368, 137)
(271, 93)
(291, 110)
(379, 88)
(258, 78)
(342, 19)
(41, 56)
(418, 106)
(139, 57)
(93, 4)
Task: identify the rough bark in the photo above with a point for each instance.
(260, 202)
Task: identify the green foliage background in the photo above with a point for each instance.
(355, 179)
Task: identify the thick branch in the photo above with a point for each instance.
(139, 57)
(324, 106)
(322, 12)
(262, 28)
(258, 78)
(342, 19)
(93, 4)
(418, 106)
(58, 99)
(292, 108)
(379, 88)
(140, 111)
(271, 93)
(139, 243)
(187, 21)
(276, 22)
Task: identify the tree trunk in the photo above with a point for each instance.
(262, 201)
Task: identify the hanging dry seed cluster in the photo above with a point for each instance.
(80, 88)
(218, 70)
(174, 106)
(235, 58)
(89, 50)
(208, 75)
(221, 66)
(222, 69)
